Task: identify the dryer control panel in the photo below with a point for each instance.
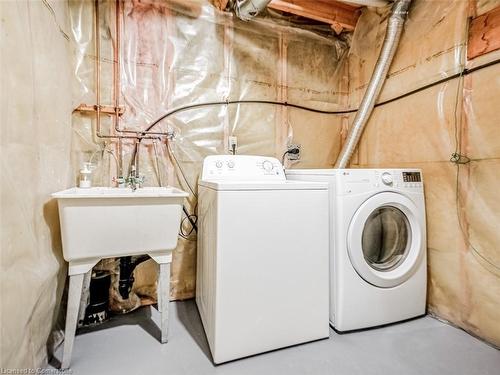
(353, 181)
(397, 178)
(242, 168)
(412, 177)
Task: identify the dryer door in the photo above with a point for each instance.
(384, 241)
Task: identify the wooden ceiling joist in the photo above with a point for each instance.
(339, 15)
(220, 4)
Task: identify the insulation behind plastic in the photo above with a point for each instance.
(35, 147)
(423, 130)
(179, 53)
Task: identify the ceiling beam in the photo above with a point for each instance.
(220, 4)
(339, 15)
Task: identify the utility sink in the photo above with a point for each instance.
(104, 222)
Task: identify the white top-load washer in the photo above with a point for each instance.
(262, 269)
(378, 244)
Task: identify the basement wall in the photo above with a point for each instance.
(35, 149)
(174, 55)
(208, 55)
(423, 130)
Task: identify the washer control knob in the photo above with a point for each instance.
(387, 178)
(218, 164)
(230, 164)
(267, 165)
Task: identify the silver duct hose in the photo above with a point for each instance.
(393, 33)
(248, 9)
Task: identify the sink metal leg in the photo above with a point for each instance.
(164, 298)
(74, 295)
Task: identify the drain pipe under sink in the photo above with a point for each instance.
(393, 33)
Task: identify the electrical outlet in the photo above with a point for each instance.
(293, 152)
(232, 144)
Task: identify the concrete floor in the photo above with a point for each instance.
(129, 345)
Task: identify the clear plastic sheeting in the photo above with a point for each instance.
(430, 51)
(177, 53)
(423, 130)
(35, 148)
(483, 6)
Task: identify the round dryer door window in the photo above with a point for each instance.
(385, 239)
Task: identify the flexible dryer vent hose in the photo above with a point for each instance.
(393, 33)
(248, 9)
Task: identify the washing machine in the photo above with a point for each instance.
(262, 262)
(378, 256)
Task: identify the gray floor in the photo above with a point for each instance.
(129, 345)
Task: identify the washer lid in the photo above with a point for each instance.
(263, 185)
(385, 241)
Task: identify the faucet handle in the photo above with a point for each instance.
(134, 181)
(120, 181)
(139, 180)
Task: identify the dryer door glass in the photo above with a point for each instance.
(386, 238)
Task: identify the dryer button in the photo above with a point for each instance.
(387, 178)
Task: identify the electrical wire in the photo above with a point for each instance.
(463, 72)
(459, 159)
(171, 153)
(475, 252)
(283, 158)
(192, 218)
(230, 102)
(295, 150)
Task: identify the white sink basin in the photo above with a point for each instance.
(104, 222)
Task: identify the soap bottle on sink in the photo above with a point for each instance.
(86, 175)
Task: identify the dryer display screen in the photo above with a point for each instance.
(411, 177)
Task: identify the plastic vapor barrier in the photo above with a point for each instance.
(423, 130)
(35, 148)
(174, 54)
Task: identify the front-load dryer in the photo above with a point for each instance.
(378, 262)
(262, 269)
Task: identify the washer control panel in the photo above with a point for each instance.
(242, 168)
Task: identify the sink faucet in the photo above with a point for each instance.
(134, 180)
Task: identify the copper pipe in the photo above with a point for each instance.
(99, 134)
(116, 81)
(105, 109)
